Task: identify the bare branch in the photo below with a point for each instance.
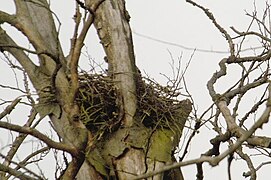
(259, 58)
(245, 88)
(76, 51)
(18, 141)
(249, 164)
(19, 165)
(78, 42)
(260, 22)
(24, 60)
(42, 137)
(220, 28)
(251, 33)
(215, 77)
(44, 52)
(247, 174)
(15, 173)
(25, 161)
(215, 160)
(12, 88)
(9, 108)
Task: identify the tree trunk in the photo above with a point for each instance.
(130, 150)
(112, 24)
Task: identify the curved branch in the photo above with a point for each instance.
(15, 173)
(45, 52)
(251, 33)
(24, 162)
(40, 136)
(259, 58)
(19, 54)
(215, 77)
(18, 140)
(215, 160)
(220, 28)
(249, 162)
(231, 94)
(247, 174)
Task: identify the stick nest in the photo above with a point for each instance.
(158, 106)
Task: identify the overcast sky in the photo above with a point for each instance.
(176, 22)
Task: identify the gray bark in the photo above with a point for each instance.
(131, 156)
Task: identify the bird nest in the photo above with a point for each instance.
(158, 106)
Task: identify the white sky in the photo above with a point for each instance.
(177, 22)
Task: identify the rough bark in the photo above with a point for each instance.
(34, 20)
(112, 24)
(123, 155)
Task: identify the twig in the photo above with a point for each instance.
(215, 160)
(19, 140)
(220, 28)
(23, 162)
(25, 169)
(251, 33)
(247, 174)
(4, 47)
(249, 164)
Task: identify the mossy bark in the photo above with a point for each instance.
(130, 150)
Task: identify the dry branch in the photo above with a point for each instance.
(16, 144)
(40, 136)
(9, 108)
(15, 173)
(217, 25)
(215, 160)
